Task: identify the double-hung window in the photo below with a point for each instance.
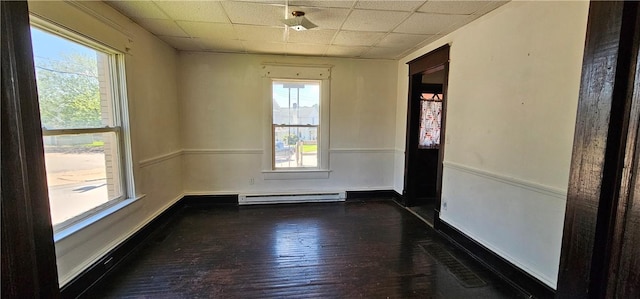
(298, 136)
(296, 120)
(82, 109)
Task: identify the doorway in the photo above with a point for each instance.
(426, 110)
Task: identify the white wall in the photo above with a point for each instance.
(513, 89)
(223, 119)
(512, 99)
(153, 105)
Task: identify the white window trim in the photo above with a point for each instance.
(122, 129)
(275, 72)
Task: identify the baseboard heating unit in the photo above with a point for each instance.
(257, 199)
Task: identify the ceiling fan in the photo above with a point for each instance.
(299, 22)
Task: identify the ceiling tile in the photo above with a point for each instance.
(259, 33)
(198, 11)
(385, 53)
(374, 20)
(389, 5)
(254, 13)
(459, 24)
(427, 41)
(490, 5)
(342, 51)
(262, 47)
(139, 9)
(325, 18)
(255, 25)
(426, 23)
(306, 49)
(452, 7)
(310, 3)
(209, 30)
(400, 40)
(314, 36)
(221, 45)
(182, 43)
(162, 27)
(280, 2)
(357, 38)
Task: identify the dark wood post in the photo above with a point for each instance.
(601, 241)
(28, 253)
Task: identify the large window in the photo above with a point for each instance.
(296, 132)
(80, 92)
(296, 123)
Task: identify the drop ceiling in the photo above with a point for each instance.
(356, 28)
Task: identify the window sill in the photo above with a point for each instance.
(86, 222)
(296, 174)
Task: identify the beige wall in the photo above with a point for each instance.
(512, 98)
(513, 88)
(224, 119)
(153, 105)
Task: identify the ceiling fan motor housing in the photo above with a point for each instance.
(299, 22)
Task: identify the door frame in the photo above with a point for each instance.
(600, 251)
(28, 250)
(436, 60)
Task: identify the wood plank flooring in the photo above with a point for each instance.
(363, 249)
(425, 211)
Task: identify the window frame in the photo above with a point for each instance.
(296, 73)
(318, 127)
(120, 127)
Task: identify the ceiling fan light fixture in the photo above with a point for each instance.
(299, 22)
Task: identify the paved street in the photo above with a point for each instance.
(77, 183)
(308, 160)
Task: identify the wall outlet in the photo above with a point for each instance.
(252, 181)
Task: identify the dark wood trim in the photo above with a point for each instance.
(90, 277)
(28, 252)
(430, 62)
(432, 88)
(603, 154)
(436, 60)
(443, 135)
(501, 267)
(624, 265)
(210, 200)
(398, 196)
(87, 279)
(371, 194)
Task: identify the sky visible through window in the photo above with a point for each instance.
(47, 47)
(309, 95)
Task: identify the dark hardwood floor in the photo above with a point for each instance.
(425, 211)
(370, 249)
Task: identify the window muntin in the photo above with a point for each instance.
(80, 107)
(295, 124)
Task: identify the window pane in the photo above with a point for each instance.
(73, 81)
(296, 103)
(295, 147)
(82, 173)
(75, 91)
